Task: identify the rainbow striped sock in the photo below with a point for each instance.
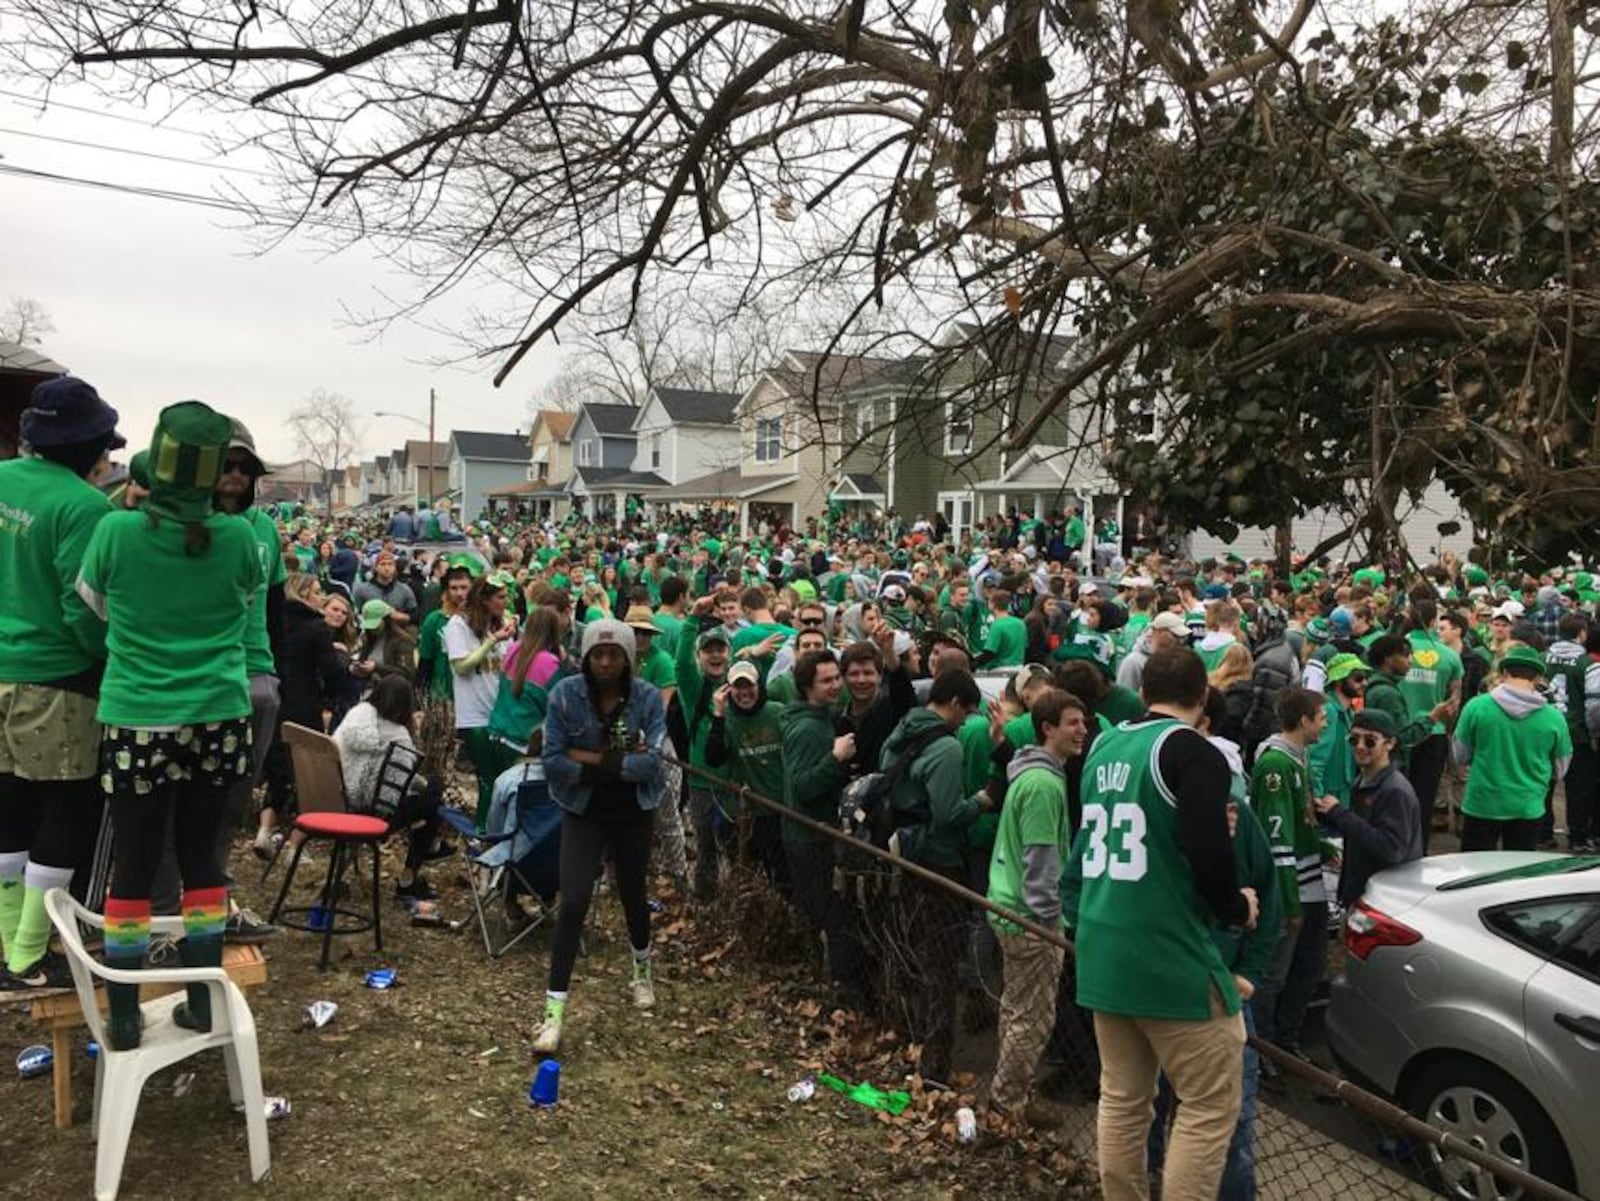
(127, 930)
(205, 912)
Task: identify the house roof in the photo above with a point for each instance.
(592, 477)
(637, 479)
(558, 421)
(694, 406)
(416, 451)
(719, 485)
(800, 372)
(858, 484)
(1009, 347)
(16, 357)
(503, 448)
(612, 420)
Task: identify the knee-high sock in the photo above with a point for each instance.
(32, 936)
(11, 865)
(127, 940)
(205, 916)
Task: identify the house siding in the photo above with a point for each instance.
(479, 477)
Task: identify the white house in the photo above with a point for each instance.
(685, 434)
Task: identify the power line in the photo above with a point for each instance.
(165, 158)
(40, 106)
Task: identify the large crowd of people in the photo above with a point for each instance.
(1186, 765)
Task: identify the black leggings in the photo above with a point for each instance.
(584, 842)
(55, 821)
(1492, 834)
(419, 806)
(139, 824)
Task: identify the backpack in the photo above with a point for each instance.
(1269, 678)
(866, 807)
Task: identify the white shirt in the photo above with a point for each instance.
(475, 691)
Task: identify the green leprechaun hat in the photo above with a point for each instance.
(186, 456)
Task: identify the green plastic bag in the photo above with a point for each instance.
(869, 1095)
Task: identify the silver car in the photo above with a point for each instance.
(1471, 994)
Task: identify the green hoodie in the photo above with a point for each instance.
(1333, 766)
(812, 778)
(753, 743)
(933, 783)
(1384, 693)
(47, 514)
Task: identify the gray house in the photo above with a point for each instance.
(480, 463)
(603, 443)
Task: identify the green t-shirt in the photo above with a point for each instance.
(1435, 670)
(754, 635)
(47, 516)
(1144, 942)
(1008, 639)
(1512, 758)
(670, 625)
(430, 649)
(755, 754)
(257, 642)
(659, 669)
(1035, 815)
(175, 624)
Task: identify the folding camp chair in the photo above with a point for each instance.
(519, 855)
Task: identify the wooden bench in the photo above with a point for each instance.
(61, 1014)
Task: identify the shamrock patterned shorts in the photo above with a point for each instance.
(47, 733)
(138, 761)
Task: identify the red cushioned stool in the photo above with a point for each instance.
(324, 813)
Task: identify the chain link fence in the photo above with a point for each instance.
(898, 967)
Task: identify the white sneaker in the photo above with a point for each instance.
(643, 989)
(548, 1040)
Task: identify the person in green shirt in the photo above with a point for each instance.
(746, 737)
(1517, 745)
(1390, 657)
(51, 648)
(1437, 675)
(1333, 767)
(757, 641)
(175, 583)
(433, 665)
(1031, 846)
(1006, 643)
(655, 666)
(814, 776)
(669, 614)
(1158, 869)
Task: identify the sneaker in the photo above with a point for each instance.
(49, 973)
(265, 848)
(642, 986)
(246, 929)
(548, 1040)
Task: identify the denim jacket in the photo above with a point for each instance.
(572, 723)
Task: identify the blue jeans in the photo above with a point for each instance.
(1239, 1173)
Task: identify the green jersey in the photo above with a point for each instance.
(1144, 940)
(430, 649)
(1435, 673)
(1513, 756)
(1280, 795)
(1566, 666)
(258, 659)
(1007, 639)
(176, 624)
(755, 754)
(47, 515)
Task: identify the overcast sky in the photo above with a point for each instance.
(156, 301)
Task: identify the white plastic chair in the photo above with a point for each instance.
(119, 1076)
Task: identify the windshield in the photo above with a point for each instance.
(1528, 871)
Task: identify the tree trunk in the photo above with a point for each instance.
(1283, 548)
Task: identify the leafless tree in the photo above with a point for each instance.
(25, 322)
(326, 430)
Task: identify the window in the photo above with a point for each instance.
(769, 439)
(655, 451)
(1543, 927)
(866, 419)
(958, 427)
(544, 471)
(586, 453)
(1582, 954)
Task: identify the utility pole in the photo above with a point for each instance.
(430, 446)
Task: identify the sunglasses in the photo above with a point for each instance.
(1367, 740)
(242, 466)
(811, 621)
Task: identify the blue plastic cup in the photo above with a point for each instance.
(546, 1089)
(37, 1060)
(319, 918)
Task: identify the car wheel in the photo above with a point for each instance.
(1483, 1106)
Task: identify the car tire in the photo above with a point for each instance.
(1485, 1106)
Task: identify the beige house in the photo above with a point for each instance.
(543, 494)
(789, 431)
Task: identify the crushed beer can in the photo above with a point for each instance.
(319, 1013)
(381, 978)
(273, 1107)
(803, 1090)
(966, 1125)
(34, 1061)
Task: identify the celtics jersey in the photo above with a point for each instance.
(1144, 949)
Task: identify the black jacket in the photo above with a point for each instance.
(312, 669)
(896, 697)
(1382, 828)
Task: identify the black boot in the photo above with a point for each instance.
(195, 1012)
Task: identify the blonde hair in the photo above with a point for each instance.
(1235, 666)
(299, 587)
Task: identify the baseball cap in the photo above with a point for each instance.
(1510, 610)
(373, 613)
(713, 635)
(1171, 623)
(1376, 720)
(1088, 588)
(744, 671)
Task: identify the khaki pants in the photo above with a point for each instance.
(1027, 1015)
(1202, 1060)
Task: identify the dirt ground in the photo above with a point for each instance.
(423, 1089)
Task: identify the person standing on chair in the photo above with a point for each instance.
(175, 583)
(51, 653)
(603, 740)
